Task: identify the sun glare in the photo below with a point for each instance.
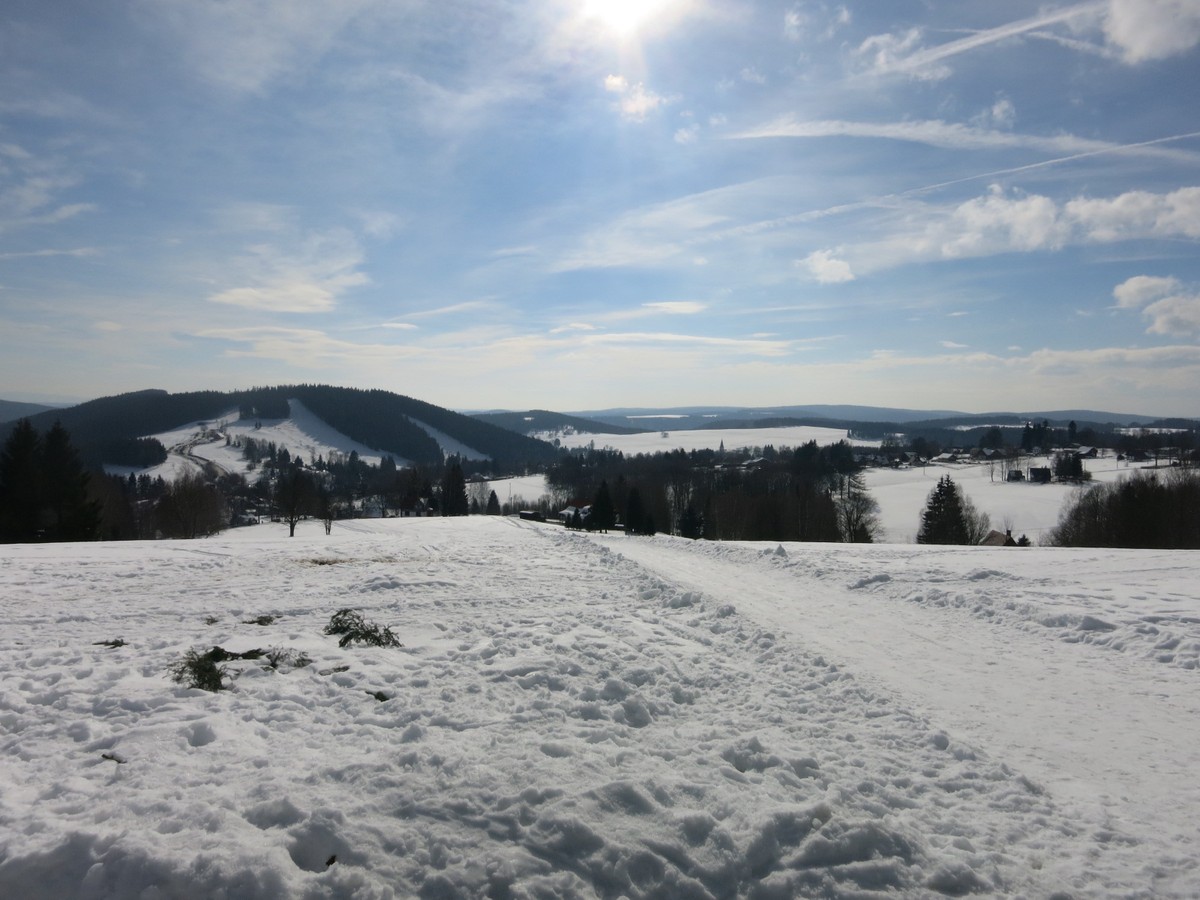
(624, 16)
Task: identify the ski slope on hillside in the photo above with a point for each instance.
(210, 444)
(583, 717)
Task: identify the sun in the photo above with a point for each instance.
(624, 17)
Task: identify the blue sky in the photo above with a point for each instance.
(573, 204)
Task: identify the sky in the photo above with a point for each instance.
(578, 204)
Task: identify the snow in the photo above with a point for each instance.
(195, 445)
(707, 439)
(529, 488)
(597, 716)
(1029, 509)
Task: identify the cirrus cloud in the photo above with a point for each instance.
(307, 278)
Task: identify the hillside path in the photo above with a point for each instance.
(966, 637)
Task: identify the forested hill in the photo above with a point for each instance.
(12, 410)
(105, 430)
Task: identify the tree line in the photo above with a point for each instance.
(810, 493)
(44, 492)
(1148, 510)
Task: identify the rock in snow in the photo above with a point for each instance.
(680, 719)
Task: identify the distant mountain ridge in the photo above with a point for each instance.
(842, 412)
(12, 410)
(873, 419)
(390, 423)
(540, 421)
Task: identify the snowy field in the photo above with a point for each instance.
(597, 717)
(1029, 509)
(707, 439)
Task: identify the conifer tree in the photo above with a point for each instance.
(44, 488)
(493, 504)
(691, 525)
(943, 520)
(68, 512)
(454, 492)
(604, 515)
(20, 485)
(635, 513)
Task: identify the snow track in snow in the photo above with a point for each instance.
(1061, 663)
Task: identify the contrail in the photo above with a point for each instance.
(982, 38)
(1052, 162)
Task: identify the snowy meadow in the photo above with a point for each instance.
(596, 716)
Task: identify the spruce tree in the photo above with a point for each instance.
(635, 513)
(604, 515)
(20, 485)
(44, 489)
(691, 525)
(943, 520)
(68, 512)
(493, 504)
(454, 492)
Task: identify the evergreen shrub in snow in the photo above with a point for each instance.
(355, 629)
(199, 670)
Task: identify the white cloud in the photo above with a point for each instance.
(1003, 113)
(1138, 214)
(636, 100)
(753, 76)
(451, 309)
(687, 135)
(1177, 315)
(1146, 30)
(1139, 31)
(951, 345)
(657, 308)
(677, 307)
(307, 278)
(998, 223)
(1141, 289)
(795, 21)
(307, 348)
(32, 189)
(756, 347)
(885, 53)
(827, 269)
(379, 224)
(32, 254)
(1001, 222)
(1171, 309)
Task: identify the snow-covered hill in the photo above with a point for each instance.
(190, 447)
(575, 716)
